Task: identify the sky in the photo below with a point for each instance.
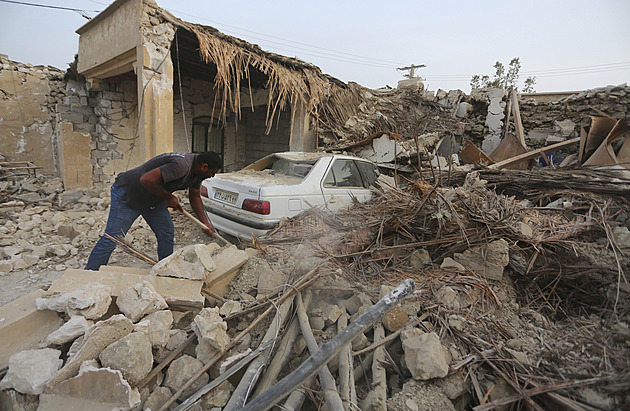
(566, 45)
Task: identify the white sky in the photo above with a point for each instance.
(567, 45)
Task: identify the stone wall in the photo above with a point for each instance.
(107, 118)
(28, 98)
(548, 122)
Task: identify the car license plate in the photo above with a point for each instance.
(225, 196)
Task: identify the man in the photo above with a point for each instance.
(147, 191)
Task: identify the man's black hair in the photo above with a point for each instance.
(212, 159)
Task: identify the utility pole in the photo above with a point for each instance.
(412, 70)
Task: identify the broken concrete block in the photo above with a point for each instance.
(268, 281)
(180, 293)
(331, 314)
(131, 355)
(487, 261)
(354, 303)
(181, 370)
(425, 357)
(218, 397)
(91, 301)
(204, 351)
(100, 335)
(193, 262)
(360, 342)
(448, 297)
(94, 389)
(24, 326)
(176, 338)
(139, 300)
(230, 307)
(75, 327)
(11, 400)
(159, 325)
(523, 230)
(449, 262)
(157, 398)
(209, 326)
(30, 370)
(419, 258)
(228, 260)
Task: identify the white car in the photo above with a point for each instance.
(255, 199)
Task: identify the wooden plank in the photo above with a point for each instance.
(470, 154)
(178, 292)
(23, 326)
(532, 154)
(518, 124)
(509, 147)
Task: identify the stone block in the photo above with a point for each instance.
(159, 326)
(419, 258)
(228, 261)
(11, 400)
(75, 327)
(101, 335)
(193, 262)
(24, 326)
(139, 300)
(181, 370)
(178, 293)
(425, 357)
(94, 389)
(157, 398)
(131, 355)
(30, 370)
(487, 261)
(91, 301)
(209, 326)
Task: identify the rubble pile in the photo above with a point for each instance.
(517, 300)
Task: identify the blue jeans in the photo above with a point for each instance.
(120, 219)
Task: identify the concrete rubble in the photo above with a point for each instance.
(515, 285)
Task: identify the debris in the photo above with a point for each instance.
(131, 355)
(193, 263)
(23, 326)
(139, 300)
(425, 357)
(101, 335)
(30, 370)
(177, 292)
(91, 301)
(76, 326)
(181, 371)
(98, 389)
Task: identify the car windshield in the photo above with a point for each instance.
(289, 168)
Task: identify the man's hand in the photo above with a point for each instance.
(209, 229)
(173, 203)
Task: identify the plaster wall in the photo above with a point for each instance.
(28, 99)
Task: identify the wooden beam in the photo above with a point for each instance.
(532, 154)
(518, 124)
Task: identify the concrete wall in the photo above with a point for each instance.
(28, 99)
(107, 43)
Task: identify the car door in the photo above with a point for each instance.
(342, 181)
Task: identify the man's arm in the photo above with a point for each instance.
(154, 183)
(194, 197)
